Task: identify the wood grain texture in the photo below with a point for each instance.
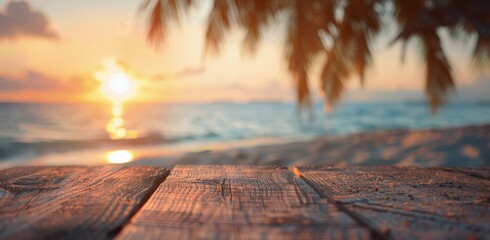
(72, 202)
(483, 173)
(238, 202)
(408, 203)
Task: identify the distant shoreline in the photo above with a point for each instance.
(257, 101)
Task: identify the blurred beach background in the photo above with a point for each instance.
(244, 133)
(118, 82)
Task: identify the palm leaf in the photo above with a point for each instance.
(255, 17)
(163, 13)
(220, 21)
(303, 46)
(350, 25)
(439, 79)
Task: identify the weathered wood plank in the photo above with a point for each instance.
(238, 202)
(408, 203)
(72, 202)
(483, 173)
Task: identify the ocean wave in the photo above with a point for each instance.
(12, 148)
(28, 130)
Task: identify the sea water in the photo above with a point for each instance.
(45, 128)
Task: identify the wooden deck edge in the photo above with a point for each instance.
(465, 171)
(359, 220)
(443, 175)
(155, 184)
(476, 172)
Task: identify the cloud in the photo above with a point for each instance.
(269, 90)
(120, 65)
(392, 96)
(479, 90)
(236, 86)
(18, 19)
(187, 72)
(476, 91)
(32, 80)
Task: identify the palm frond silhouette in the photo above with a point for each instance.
(338, 34)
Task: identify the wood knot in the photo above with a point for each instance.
(284, 219)
(33, 183)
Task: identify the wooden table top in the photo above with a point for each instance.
(244, 202)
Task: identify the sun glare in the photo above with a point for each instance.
(116, 84)
(119, 156)
(118, 87)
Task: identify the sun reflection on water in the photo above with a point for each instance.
(115, 127)
(117, 131)
(120, 156)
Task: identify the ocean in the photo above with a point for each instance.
(28, 129)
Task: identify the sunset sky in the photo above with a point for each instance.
(56, 51)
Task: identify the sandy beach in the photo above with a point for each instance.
(463, 146)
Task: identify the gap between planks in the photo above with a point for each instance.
(374, 233)
(176, 210)
(440, 203)
(156, 183)
(73, 202)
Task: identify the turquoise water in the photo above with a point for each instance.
(41, 128)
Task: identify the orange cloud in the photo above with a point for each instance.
(35, 86)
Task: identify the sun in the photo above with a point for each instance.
(116, 84)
